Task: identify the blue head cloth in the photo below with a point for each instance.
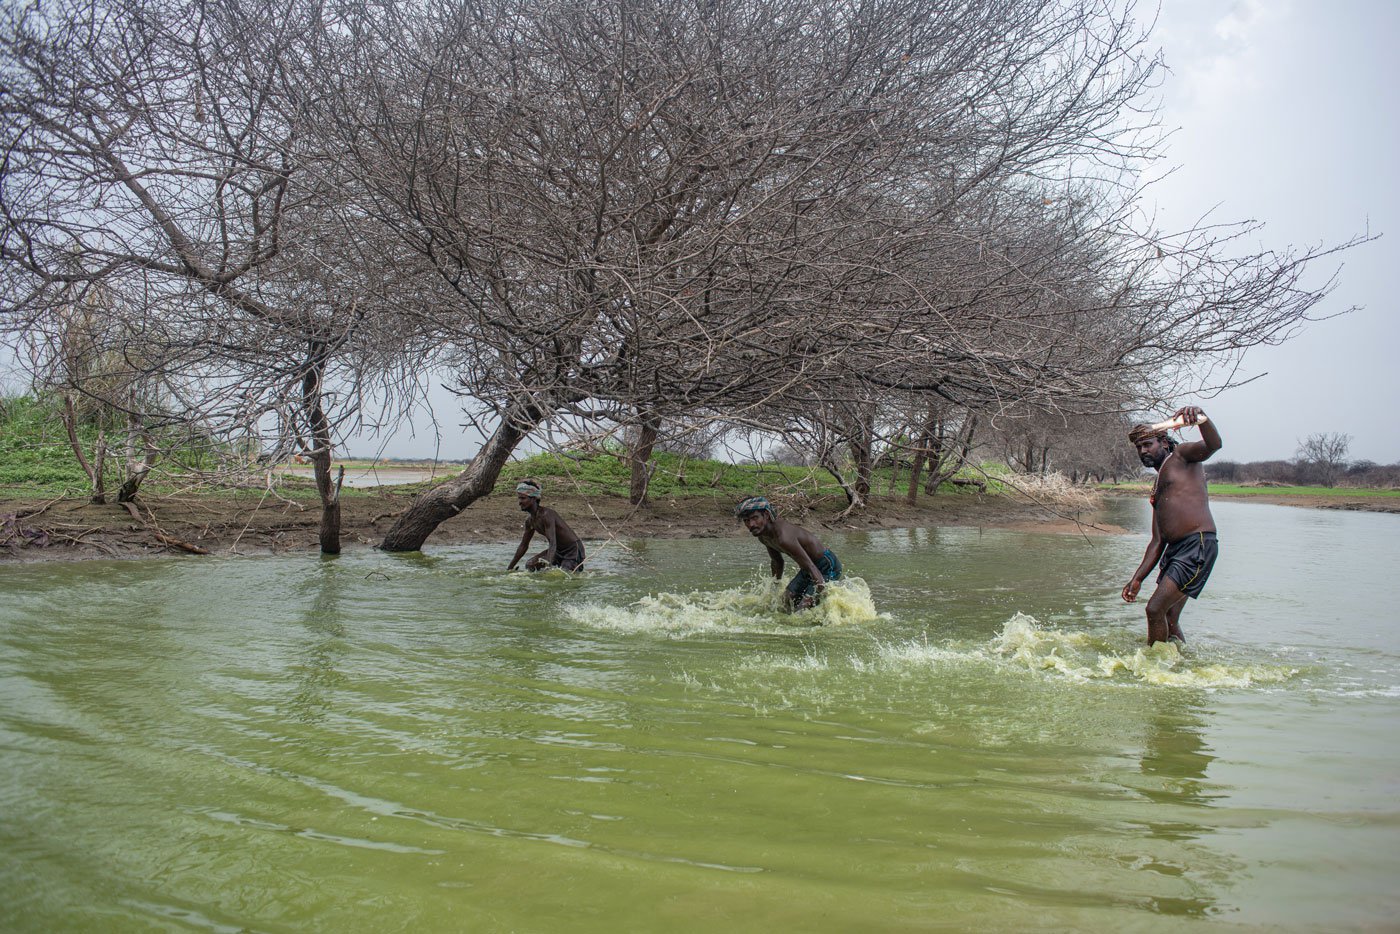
(528, 488)
(755, 504)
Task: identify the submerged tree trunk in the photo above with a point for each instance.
(440, 503)
(640, 459)
(320, 452)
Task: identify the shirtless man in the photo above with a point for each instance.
(816, 564)
(1183, 530)
(565, 548)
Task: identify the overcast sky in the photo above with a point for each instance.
(1288, 113)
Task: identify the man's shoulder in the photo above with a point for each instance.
(1184, 466)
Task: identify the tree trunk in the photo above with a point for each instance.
(921, 450)
(895, 461)
(321, 452)
(442, 502)
(854, 498)
(640, 458)
(136, 470)
(938, 438)
(862, 445)
(70, 423)
(947, 455)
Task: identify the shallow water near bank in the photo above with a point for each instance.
(975, 736)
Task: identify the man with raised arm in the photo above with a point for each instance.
(1183, 530)
(816, 564)
(565, 548)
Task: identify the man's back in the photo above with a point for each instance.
(545, 517)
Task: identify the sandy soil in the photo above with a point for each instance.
(72, 529)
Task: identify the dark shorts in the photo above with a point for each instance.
(802, 585)
(570, 559)
(1188, 562)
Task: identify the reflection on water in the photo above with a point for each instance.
(976, 737)
(317, 676)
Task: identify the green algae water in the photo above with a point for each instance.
(974, 737)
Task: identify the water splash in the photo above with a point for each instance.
(1080, 656)
(754, 607)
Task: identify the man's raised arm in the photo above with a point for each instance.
(1197, 451)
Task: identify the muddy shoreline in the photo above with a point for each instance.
(249, 523)
(245, 523)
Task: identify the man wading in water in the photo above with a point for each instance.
(1183, 530)
(816, 564)
(565, 548)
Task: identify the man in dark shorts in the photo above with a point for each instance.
(1183, 530)
(816, 564)
(565, 548)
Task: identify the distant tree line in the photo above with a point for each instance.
(897, 229)
(1321, 460)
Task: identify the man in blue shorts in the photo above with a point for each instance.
(816, 564)
(1183, 530)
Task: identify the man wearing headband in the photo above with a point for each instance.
(565, 548)
(1183, 530)
(816, 564)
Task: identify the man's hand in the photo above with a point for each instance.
(1130, 590)
(1189, 414)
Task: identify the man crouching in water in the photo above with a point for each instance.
(1183, 530)
(565, 548)
(816, 564)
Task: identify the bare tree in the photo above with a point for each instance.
(1323, 455)
(942, 447)
(658, 205)
(155, 150)
(809, 218)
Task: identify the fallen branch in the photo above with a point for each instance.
(149, 522)
(31, 513)
(177, 543)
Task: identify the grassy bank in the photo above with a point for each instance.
(37, 463)
(1270, 492)
(1235, 489)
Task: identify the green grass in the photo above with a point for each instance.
(674, 476)
(36, 462)
(1235, 489)
(35, 457)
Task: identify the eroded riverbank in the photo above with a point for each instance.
(258, 523)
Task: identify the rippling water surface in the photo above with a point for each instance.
(975, 738)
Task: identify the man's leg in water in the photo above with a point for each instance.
(1165, 599)
(1174, 622)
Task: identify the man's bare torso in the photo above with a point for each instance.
(1180, 500)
